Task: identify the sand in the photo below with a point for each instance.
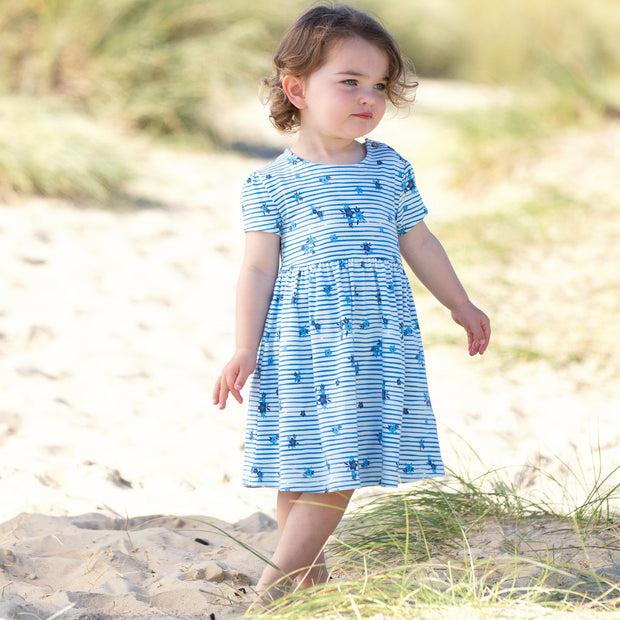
(114, 324)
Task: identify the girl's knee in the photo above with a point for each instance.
(338, 500)
(341, 497)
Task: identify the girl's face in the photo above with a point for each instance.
(345, 98)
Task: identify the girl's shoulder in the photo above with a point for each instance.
(380, 151)
(268, 181)
(279, 166)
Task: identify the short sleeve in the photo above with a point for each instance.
(411, 209)
(258, 208)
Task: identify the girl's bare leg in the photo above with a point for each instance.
(305, 521)
(286, 500)
(318, 572)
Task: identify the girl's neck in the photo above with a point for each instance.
(351, 152)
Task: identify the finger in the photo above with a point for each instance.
(241, 380)
(470, 338)
(223, 395)
(474, 347)
(234, 385)
(237, 394)
(486, 328)
(486, 336)
(482, 347)
(216, 391)
(224, 391)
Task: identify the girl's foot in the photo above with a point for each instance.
(266, 596)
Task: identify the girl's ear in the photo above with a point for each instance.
(293, 87)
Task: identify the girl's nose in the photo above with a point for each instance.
(366, 97)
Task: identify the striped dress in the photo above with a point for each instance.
(339, 398)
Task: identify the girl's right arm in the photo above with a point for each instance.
(254, 290)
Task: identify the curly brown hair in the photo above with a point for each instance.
(306, 44)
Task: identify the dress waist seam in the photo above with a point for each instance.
(341, 263)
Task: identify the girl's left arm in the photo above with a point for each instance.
(428, 260)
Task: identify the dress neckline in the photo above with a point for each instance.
(295, 159)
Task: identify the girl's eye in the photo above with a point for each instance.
(380, 86)
(350, 82)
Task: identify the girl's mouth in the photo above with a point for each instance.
(364, 115)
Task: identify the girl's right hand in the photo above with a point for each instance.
(233, 377)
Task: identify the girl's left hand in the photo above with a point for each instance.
(477, 325)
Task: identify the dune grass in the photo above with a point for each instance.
(507, 42)
(153, 65)
(465, 548)
(64, 45)
(169, 67)
(162, 67)
(50, 150)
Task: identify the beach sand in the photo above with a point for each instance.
(114, 324)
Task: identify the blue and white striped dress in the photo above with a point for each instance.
(339, 398)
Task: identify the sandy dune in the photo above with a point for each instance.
(152, 567)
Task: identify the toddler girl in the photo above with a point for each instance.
(325, 317)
